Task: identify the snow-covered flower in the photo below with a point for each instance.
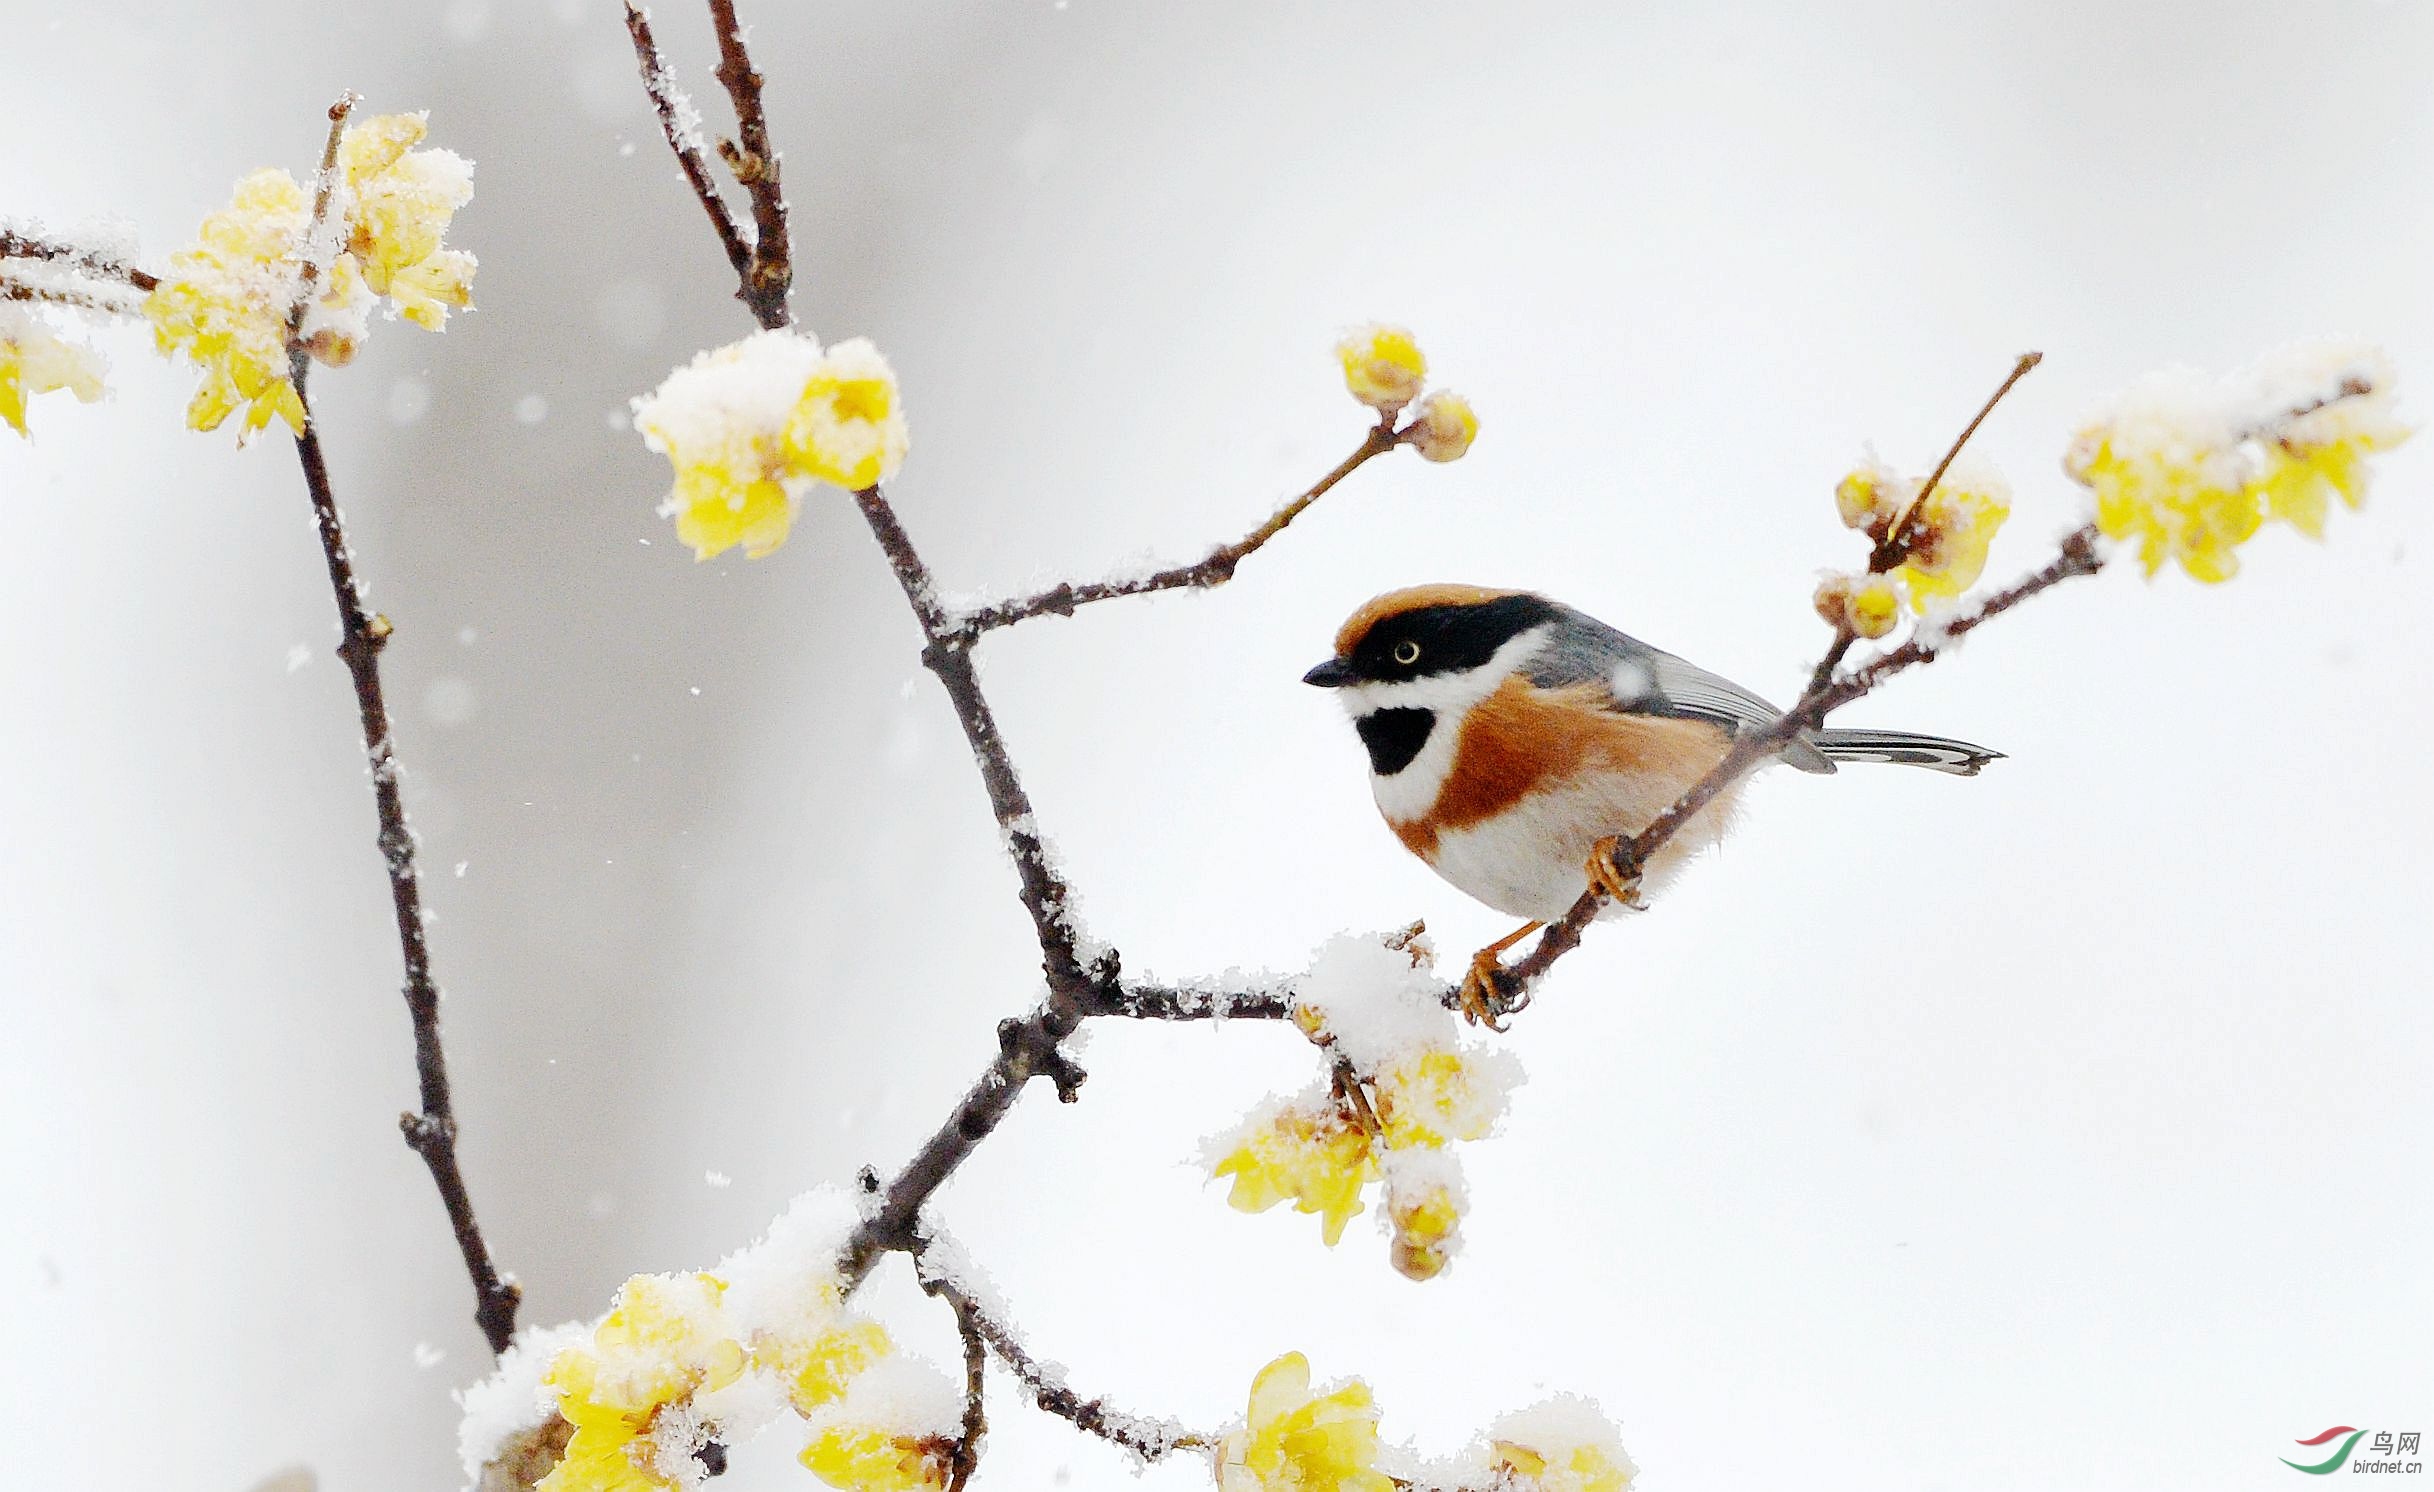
(2190, 467)
(1295, 1441)
(628, 1391)
(1866, 604)
(400, 203)
(36, 360)
(1306, 1153)
(1443, 426)
(721, 420)
(894, 1431)
(225, 302)
(1565, 1444)
(1424, 1202)
(1375, 1004)
(1382, 365)
(848, 425)
(1945, 541)
(1437, 1095)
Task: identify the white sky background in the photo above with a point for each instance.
(2065, 1126)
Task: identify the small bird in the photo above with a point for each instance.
(1513, 742)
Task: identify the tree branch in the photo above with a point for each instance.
(431, 1132)
(1212, 570)
(1158, 1002)
(770, 279)
(1151, 1440)
(679, 121)
(84, 261)
(2078, 556)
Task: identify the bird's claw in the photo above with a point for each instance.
(1606, 876)
(1482, 997)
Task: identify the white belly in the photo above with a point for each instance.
(1531, 860)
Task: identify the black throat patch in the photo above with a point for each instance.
(1394, 737)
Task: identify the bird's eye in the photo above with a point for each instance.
(1407, 652)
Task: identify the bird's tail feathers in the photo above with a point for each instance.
(1904, 748)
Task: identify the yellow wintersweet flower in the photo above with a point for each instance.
(224, 304)
(1314, 1158)
(664, 1342)
(1382, 366)
(721, 420)
(1425, 1209)
(1434, 1097)
(2323, 452)
(35, 361)
(1294, 1442)
(860, 1458)
(1443, 426)
(1865, 604)
(819, 1367)
(1587, 1468)
(848, 426)
(1944, 544)
(1562, 1445)
(401, 201)
(2190, 467)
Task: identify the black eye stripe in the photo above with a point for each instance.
(1449, 638)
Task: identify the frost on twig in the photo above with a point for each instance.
(763, 264)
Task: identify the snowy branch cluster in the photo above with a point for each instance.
(649, 1395)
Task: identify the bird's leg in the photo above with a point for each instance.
(1606, 876)
(1479, 997)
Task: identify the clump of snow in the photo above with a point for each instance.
(2184, 418)
(512, 1400)
(785, 1279)
(1376, 1002)
(1557, 1430)
(750, 385)
(899, 1395)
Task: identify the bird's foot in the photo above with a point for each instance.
(1482, 998)
(1606, 876)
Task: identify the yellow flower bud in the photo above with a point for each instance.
(1443, 426)
(1871, 495)
(1382, 366)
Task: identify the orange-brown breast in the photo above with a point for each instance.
(1411, 598)
(1522, 739)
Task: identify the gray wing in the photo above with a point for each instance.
(1650, 681)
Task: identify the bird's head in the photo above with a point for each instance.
(1409, 656)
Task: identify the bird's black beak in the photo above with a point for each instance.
(1335, 673)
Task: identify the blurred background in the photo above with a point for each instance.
(2068, 1125)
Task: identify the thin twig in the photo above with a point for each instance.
(431, 1133)
(1154, 1002)
(1048, 1392)
(85, 261)
(1214, 569)
(316, 249)
(770, 278)
(2078, 556)
(1891, 551)
(677, 120)
(76, 299)
(966, 1456)
(948, 655)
